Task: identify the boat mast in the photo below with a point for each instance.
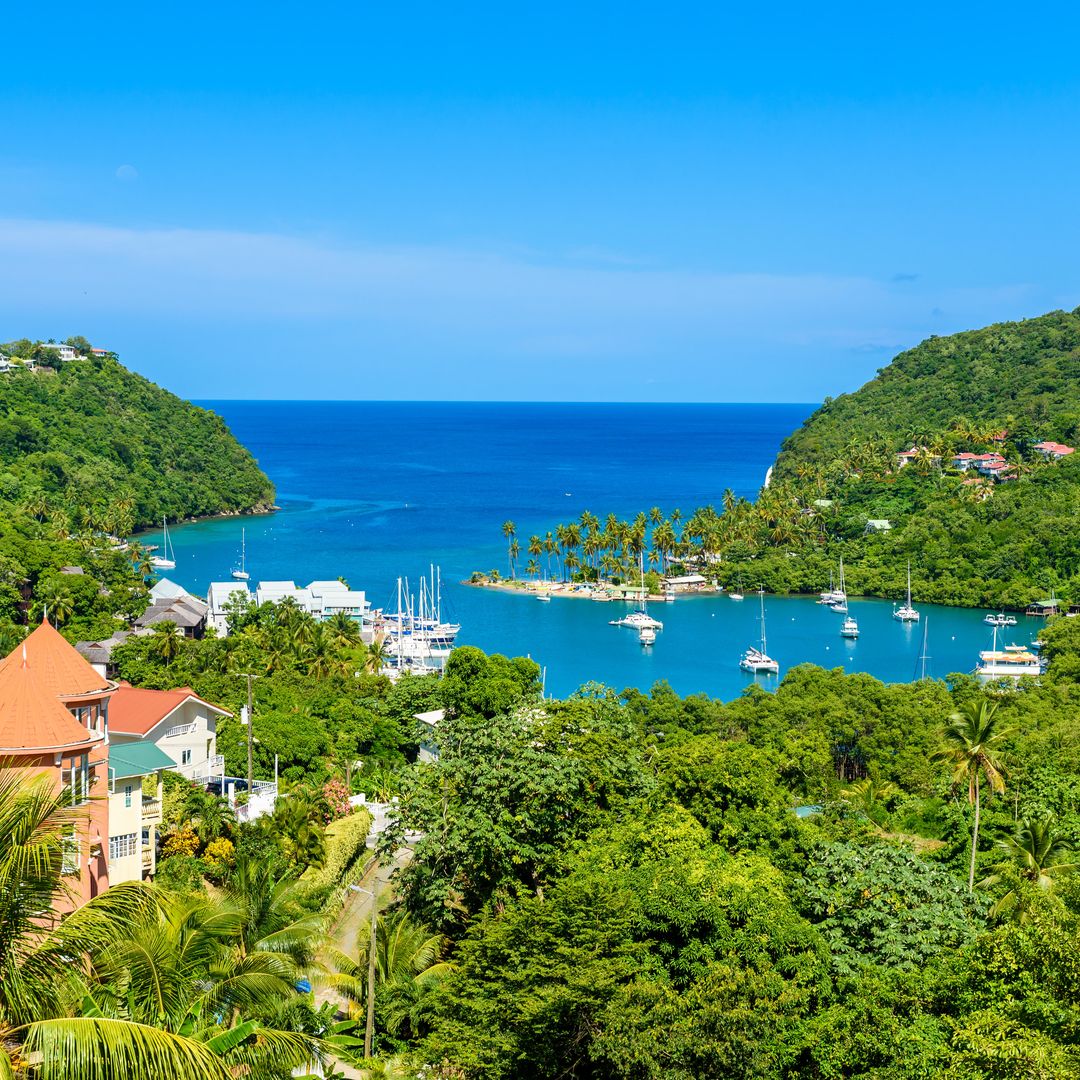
(909, 584)
(923, 657)
(764, 648)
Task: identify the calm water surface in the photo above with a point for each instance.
(371, 491)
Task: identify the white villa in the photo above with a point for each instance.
(320, 599)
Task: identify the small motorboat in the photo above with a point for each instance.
(647, 635)
(850, 629)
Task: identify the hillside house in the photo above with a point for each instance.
(1053, 451)
(135, 791)
(178, 722)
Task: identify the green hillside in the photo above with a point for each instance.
(1024, 376)
(93, 437)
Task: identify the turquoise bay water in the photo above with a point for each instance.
(371, 491)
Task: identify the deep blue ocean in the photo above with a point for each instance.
(370, 491)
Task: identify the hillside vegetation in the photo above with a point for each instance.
(1023, 375)
(95, 437)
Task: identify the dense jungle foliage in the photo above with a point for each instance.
(94, 440)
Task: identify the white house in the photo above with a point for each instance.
(334, 597)
(67, 352)
(1053, 451)
(178, 722)
(428, 751)
(218, 597)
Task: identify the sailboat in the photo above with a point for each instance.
(640, 619)
(736, 593)
(839, 596)
(758, 661)
(906, 613)
(167, 559)
(242, 574)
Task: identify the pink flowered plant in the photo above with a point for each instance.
(337, 799)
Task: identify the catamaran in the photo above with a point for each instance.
(167, 560)
(758, 661)
(1011, 662)
(906, 613)
(640, 619)
(241, 574)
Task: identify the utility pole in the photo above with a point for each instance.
(248, 722)
(369, 1029)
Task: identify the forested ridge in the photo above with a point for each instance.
(93, 438)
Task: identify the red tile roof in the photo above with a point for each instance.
(1054, 448)
(31, 715)
(56, 665)
(134, 711)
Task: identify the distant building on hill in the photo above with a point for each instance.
(877, 525)
(1053, 451)
(906, 457)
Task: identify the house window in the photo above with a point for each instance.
(70, 851)
(127, 794)
(76, 779)
(185, 757)
(122, 846)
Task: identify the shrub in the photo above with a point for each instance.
(219, 856)
(181, 841)
(346, 843)
(336, 795)
(180, 873)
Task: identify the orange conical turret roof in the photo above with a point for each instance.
(57, 666)
(31, 715)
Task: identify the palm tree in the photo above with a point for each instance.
(1039, 852)
(377, 657)
(58, 605)
(509, 529)
(47, 1012)
(407, 965)
(973, 741)
(166, 642)
(870, 795)
(274, 919)
(343, 630)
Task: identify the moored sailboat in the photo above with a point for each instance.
(167, 560)
(906, 613)
(756, 660)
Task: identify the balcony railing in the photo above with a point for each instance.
(181, 729)
(151, 810)
(147, 858)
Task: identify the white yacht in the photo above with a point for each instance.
(758, 661)
(166, 560)
(906, 613)
(1011, 662)
(1000, 619)
(850, 629)
(647, 635)
(640, 619)
(241, 573)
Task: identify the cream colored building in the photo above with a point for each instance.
(134, 809)
(178, 722)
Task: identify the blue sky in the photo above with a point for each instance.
(571, 202)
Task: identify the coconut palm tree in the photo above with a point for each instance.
(376, 657)
(48, 1009)
(1039, 852)
(58, 605)
(166, 641)
(344, 633)
(973, 738)
(509, 529)
(407, 964)
(870, 796)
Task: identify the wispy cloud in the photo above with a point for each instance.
(432, 303)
